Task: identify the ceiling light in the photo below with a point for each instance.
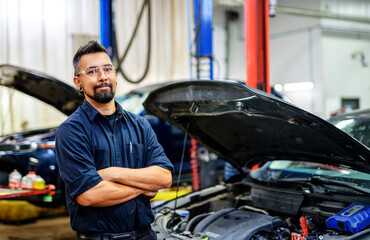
(301, 86)
(278, 87)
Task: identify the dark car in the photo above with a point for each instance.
(312, 180)
(170, 137)
(34, 150)
(355, 123)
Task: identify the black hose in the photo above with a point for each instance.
(195, 220)
(180, 170)
(119, 60)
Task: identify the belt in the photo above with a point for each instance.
(115, 236)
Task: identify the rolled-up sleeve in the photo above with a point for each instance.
(76, 164)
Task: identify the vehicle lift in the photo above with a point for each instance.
(256, 23)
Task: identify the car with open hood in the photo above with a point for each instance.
(33, 150)
(312, 179)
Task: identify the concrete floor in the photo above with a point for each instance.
(20, 220)
(53, 228)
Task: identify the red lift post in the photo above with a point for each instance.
(256, 25)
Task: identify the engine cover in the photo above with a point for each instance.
(236, 224)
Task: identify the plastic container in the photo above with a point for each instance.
(39, 183)
(47, 198)
(30, 178)
(15, 179)
(184, 214)
(23, 182)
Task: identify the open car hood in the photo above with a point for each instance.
(50, 90)
(244, 126)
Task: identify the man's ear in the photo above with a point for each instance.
(77, 82)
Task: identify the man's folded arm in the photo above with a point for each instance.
(150, 178)
(106, 194)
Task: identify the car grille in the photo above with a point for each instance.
(6, 148)
(17, 147)
(23, 147)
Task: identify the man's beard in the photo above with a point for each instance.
(103, 96)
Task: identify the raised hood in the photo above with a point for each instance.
(50, 90)
(244, 126)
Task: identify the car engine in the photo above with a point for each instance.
(249, 211)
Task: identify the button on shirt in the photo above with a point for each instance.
(86, 143)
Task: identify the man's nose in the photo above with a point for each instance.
(102, 74)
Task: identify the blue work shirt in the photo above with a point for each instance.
(86, 143)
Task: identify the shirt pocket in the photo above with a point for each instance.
(102, 158)
(136, 155)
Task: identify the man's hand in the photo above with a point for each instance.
(150, 194)
(107, 174)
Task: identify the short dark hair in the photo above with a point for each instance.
(90, 47)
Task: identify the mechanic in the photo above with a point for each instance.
(109, 159)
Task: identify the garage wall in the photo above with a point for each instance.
(294, 51)
(43, 35)
(346, 55)
(346, 69)
(313, 49)
(169, 44)
(321, 50)
(39, 35)
(295, 54)
(228, 42)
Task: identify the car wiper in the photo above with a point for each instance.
(321, 180)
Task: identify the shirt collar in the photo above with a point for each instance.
(92, 112)
(119, 110)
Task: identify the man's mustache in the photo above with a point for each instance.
(103, 85)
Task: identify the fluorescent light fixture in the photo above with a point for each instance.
(278, 87)
(300, 86)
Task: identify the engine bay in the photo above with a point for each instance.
(250, 211)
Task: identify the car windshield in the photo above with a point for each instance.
(133, 102)
(285, 169)
(358, 128)
(21, 112)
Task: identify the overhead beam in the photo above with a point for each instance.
(320, 14)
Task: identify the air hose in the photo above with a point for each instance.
(119, 60)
